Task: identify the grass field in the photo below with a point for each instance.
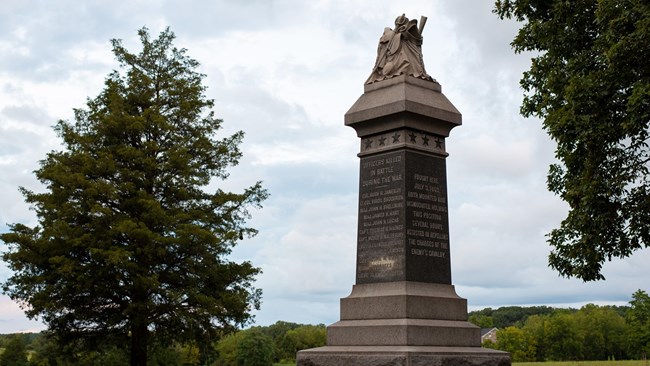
(564, 363)
(584, 363)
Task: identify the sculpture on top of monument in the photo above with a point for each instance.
(400, 51)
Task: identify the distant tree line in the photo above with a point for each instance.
(256, 346)
(40, 349)
(262, 346)
(593, 332)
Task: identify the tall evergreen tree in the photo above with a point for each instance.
(130, 246)
(590, 83)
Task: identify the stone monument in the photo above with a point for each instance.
(403, 309)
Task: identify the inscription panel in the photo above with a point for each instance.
(381, 231)
(427, 219)
(403, 232)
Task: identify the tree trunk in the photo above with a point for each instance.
(139, 335)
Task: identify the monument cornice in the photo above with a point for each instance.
(403, 102)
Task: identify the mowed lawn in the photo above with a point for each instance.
(585, 363)
(563, 363)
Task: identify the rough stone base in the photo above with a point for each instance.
(401, 356)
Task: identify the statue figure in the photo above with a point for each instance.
(400, 51)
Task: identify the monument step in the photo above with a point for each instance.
(404, 299)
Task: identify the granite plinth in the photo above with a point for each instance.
(403, 314)
(402, 356)
(403, 300)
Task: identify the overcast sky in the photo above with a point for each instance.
(285, 72)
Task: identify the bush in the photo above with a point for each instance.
(15, 353)
(246, 348)
(255, 349)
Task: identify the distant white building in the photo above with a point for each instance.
(489, 334)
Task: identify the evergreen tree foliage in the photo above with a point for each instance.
(130, 246)
(589, 82)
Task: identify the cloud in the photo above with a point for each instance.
(12, 318)
(487, 156)
(310, 265)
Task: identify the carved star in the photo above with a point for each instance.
(413, 137)
(368, 143)
(382, 141)
(425, 140)
(439, 143)
(396, 137)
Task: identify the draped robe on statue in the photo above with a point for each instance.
(399, 52)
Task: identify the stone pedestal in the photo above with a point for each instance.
(403, 324)
(403, 310)
(403, 314)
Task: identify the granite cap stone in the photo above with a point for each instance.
(403, 101)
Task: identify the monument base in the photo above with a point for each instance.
(401, 356)
(403, 313)
(403, 324)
